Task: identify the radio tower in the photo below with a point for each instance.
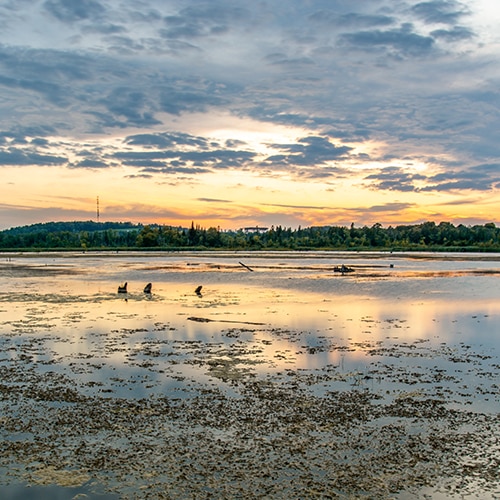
(98, 209)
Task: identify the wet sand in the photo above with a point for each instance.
(291, 381)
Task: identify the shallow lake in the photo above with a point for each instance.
(284, 377)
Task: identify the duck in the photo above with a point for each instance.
(147, 288)
(122, 288)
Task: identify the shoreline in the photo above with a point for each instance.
(292, 254)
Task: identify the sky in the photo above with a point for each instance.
(230, 113)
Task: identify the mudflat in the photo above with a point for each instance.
(282, 377)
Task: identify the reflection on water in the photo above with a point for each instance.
(155, 342)
(396, 327)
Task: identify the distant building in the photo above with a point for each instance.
(255, 229)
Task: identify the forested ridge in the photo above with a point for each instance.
(87, 235)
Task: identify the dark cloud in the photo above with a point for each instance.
(153, 140)
(309, 151)
(14, 156)
(105, 29)
(214, 200)
(54, 93)
(219, 158)
(299, 207)
(20, 134)
(390, 207)
(144, 15)
(285, 60)
(176, 170)
(453, 35)
(169, 152)
(484, 177)
(311, 173)
(75, 10)
(90, 163)
(131, 104)
(440, 11)
(179, 47)
(477, 178)
(167, 140)
(402, 41)
(152, 164)
(52, 75)
(203, 20)
(351, 19)
(394, 179)
(459, 185)
(195, 96)
(45, 65)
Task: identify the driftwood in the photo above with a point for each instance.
(245, 266)
(208, 320)
(343, 269)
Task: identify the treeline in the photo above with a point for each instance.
(125, 235)
(70, 235)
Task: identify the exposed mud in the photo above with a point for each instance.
(146, 397)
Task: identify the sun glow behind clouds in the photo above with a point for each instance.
(253, 135)
(486, 18)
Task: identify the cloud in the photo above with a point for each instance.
(214, 200)
(203, 20)
(389, 207)
(172, 169)
(53, 92)
(311, 151)
(90, 163)
(394, 179)
(167, 140)
(440, 11)
(295, 207)
(131, 104)
(18, 157)
(484, 177)
(351, 19)
(455, 34)
(70, 10)
(402, 41)
(213, 159)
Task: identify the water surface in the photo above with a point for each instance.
(376, 383)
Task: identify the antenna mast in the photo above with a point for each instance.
(98, 209)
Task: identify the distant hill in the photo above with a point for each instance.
(72, 227)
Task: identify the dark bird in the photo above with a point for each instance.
(147, 288)
(122, 288)
(198, 290)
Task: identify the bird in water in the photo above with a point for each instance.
(198, 290)
(147, 288)
(122, 288)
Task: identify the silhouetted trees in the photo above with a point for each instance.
(108, 235)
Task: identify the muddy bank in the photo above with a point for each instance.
(273, 438)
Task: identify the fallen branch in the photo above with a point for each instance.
(241, 263)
